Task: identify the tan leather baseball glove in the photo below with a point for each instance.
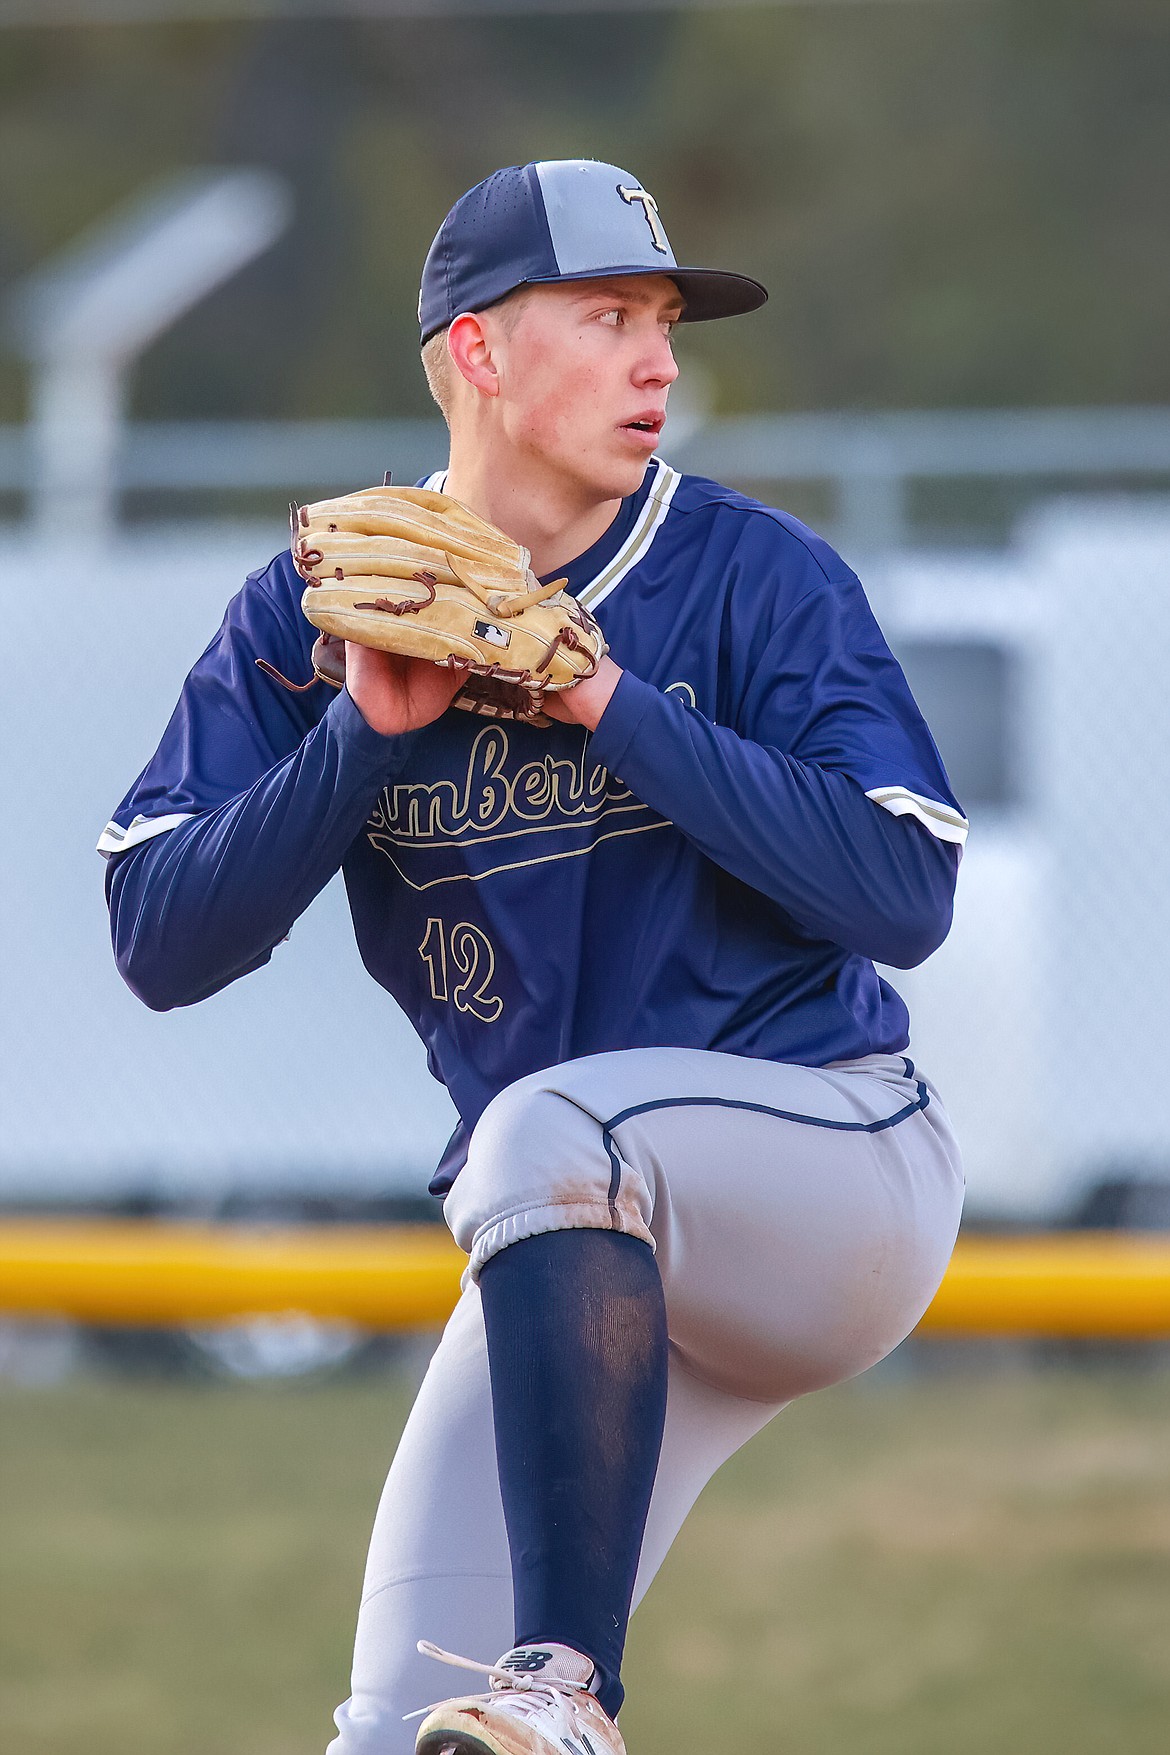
(415, 572)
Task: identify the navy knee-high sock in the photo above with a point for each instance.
(577, 1351)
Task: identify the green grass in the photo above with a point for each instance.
(980, 1563)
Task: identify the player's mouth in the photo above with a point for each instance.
(645, 429)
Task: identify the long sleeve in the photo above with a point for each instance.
(781, 801)
(245, 810)
(206, 902)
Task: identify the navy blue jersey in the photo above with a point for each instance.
(759, 816)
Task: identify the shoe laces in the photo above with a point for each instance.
(555, 1689)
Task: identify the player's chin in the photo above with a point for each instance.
(619, 469)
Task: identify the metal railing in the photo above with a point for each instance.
(869, 461)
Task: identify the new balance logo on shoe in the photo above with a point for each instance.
(531, 1709)
(526, 1660)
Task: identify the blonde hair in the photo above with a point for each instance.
(437, 362)
(437, 365)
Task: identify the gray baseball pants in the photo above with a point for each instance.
(802, 1219)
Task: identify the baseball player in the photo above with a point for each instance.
(696, 1173)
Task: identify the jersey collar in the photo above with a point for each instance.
(603, 566)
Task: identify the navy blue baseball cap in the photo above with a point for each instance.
(561, 219)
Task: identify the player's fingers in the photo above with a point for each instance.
(395, 693)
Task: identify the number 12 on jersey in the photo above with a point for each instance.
(469, 952)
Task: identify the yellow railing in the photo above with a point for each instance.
(149, 1272)
(402, 1277)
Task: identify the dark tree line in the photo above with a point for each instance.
(953, 205)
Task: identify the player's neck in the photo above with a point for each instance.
(553, 516)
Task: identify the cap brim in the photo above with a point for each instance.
(711, 292)
(707, 292)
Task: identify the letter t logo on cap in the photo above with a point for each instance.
(650, 209)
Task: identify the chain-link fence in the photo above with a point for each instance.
(1044, 1016)
(303, 1077)
(1042, 671)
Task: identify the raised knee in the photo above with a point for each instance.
(537, 1161)
(532, 1146)
(529, 1122)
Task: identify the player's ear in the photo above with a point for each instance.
(471, 354)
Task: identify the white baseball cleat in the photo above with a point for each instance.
(526, 1712)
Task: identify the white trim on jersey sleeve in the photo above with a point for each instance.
(115, 839)
(944, 822)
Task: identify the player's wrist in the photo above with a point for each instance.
(359, 730)
(381, 724)
(587, 700)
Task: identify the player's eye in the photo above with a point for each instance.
(614, 318)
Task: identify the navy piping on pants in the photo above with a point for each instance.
(608, 1127)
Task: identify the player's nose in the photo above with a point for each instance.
(657, 364)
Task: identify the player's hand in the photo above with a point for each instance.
(395, 694)
(587, 700)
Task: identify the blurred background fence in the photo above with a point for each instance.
(211, 226)
(1041, 669)
(212, 219)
